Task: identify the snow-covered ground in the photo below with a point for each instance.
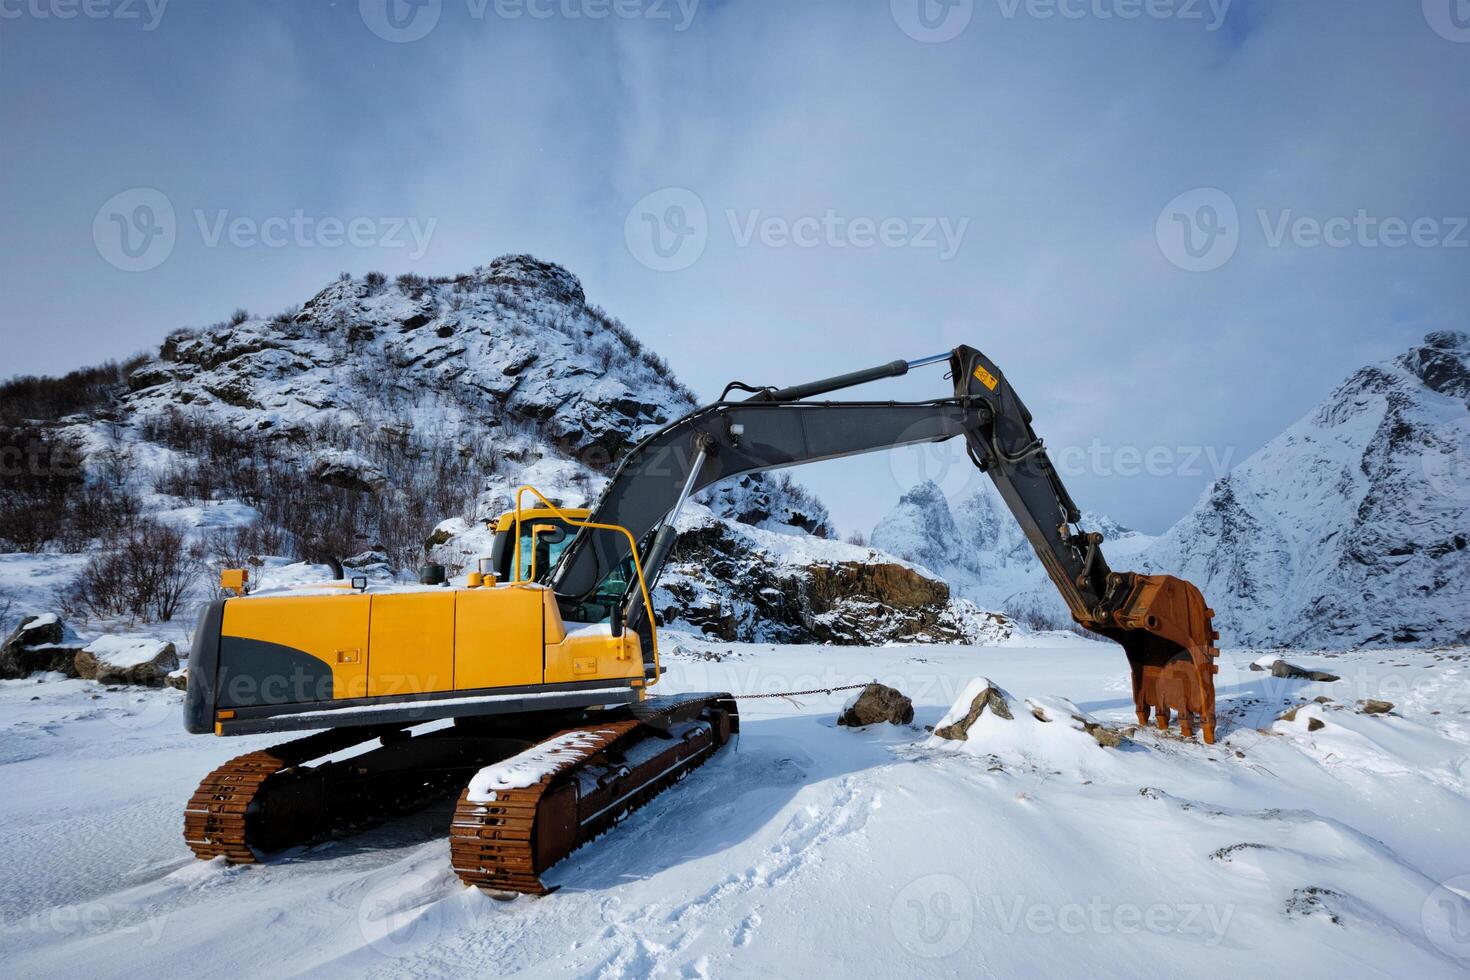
(1311, 850)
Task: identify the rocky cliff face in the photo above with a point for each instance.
(1351, 527)
(733, 581)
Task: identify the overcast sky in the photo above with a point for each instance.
(1107, 196)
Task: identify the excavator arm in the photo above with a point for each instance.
(1162, 622)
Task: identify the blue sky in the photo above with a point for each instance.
(1116, 199)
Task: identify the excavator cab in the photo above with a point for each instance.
(545, 535)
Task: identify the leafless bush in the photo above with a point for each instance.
(31, 398)
(146, 573)
(287, 316)
(39, 469)
(95, 511)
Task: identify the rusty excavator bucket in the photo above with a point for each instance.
(1166, 630)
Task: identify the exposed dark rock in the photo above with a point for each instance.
(42, 647)
(1312, 900)
(992, 699)
(1283, 669)
(1108, 738)
(877, 703)
(526, 271)
(734, 592)
(348, 472)
(1369, 706)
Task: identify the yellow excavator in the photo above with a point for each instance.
(525, 685)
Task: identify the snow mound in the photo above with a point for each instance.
(126, 651)
(1044, 733)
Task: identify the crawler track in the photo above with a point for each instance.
(286, 795)
(593, 775)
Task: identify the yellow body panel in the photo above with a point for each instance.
(593, 654)
(412, 643)
(499, 637)
(333, 629)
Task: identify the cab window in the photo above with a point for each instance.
(542, 544)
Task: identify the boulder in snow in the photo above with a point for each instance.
(141, 660)
(1283, 669)
(38, 643)
(876, 703)
(979, 697)
(1370, 706)
(347, 469)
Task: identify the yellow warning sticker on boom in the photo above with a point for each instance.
(985, 377)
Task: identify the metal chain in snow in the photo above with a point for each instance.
(793, 694)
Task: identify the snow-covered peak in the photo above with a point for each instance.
(920, 528)
(1352, 526)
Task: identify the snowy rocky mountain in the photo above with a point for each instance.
(383, 422)
(977, 546)
(1351, 527)
(1348, 529)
